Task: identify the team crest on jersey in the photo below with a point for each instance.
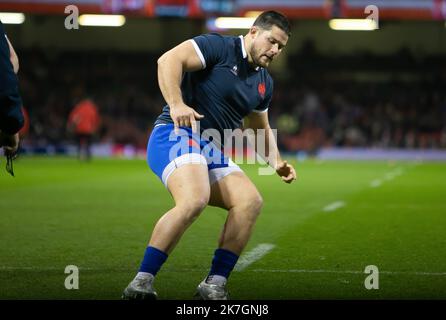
(234, 70)
(193, 143)
(262, 89)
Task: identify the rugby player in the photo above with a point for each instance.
(211, 82)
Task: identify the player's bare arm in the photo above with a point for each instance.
(13, 57)
(259, 120)
(171, 66)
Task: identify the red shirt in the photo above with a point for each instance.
(84, 117)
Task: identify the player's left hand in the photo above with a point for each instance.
(286, 171)
(10, 143)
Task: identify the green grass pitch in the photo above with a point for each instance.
(99, 215)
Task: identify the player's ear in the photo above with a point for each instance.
(254, 31)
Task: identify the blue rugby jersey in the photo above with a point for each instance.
(227, 88)
(8, 79)
(11, 117)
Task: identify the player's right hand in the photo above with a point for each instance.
(286, 171)
(184, 116)
(10, 143)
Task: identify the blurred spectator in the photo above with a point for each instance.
(84, 122)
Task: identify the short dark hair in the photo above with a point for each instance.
(268, 19)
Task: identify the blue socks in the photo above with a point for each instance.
(223, 263)
(153, 260)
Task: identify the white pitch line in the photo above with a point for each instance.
(182, 270)
(389, 176)
(414, 273)
(334, 206)
(252, 256)
(8, 268)
(376, 183)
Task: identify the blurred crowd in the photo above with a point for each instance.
(122, 86)
(362, 100)
(358, 100)
(390, 115)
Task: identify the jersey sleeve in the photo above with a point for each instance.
(264, 105)
(210, 48)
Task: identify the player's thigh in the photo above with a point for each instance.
(181, 168)
(233, 190)
(189, 185)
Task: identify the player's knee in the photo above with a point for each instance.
(253, 204)
(198, 204)
(257, 203)
(194, 207)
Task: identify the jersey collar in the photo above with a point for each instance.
(245, 55)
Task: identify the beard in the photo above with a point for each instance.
(259, 59)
